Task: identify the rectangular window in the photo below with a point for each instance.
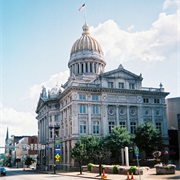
(111, 125)
(156, 101)
(82, 109)
(159, 126)
(82, 97)
(95, 109)
(57, 132)
(133, 127)
(95, 127)
(146, 100)
(51, 135)
(82, 127)
(110, 84)
(56, 118)
(95, 98)
(122, 124)
(131, 86)
(121, 85)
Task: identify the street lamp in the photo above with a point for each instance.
(55, 135)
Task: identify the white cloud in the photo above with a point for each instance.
(158, 43)
(25, 123)
(19, 123)
(59, 78)
(171, 3)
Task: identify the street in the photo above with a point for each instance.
(19, 174)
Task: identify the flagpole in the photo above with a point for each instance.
(85, 14)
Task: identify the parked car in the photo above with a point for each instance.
(3, 171)
(32, 167)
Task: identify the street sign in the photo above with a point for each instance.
(57, 156)
(136, 151)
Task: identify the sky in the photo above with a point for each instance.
(37, 36)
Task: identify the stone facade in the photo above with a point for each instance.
(94, 101)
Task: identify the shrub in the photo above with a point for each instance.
(115, 169)
(89, 166)
(132, 169)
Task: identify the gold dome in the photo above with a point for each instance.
(86, 42)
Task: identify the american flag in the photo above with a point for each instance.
(82, 7)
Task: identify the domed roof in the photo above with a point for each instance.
(86, 42)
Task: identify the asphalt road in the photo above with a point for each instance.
(19, 174)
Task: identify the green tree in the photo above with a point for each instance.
(28, 161)
(147, 137)
(89, 142)
(117, 139)
(79, 153)
(100, 151)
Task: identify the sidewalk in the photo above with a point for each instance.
(151, 175)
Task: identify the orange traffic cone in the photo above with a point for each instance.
(132, 177)
(103, 176)
(128, 176)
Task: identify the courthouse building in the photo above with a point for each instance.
(93, 101)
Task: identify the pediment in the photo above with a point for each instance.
(121, 73)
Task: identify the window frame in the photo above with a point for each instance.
(82, 127)
(111, 125)
(95, 97)
(121, 85)
(110, 85)
(95, 127)
(82, 109)
(82, 97)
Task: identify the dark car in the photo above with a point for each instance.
(3, 171)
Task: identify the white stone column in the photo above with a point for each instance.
(68, 160)
(122, 155)
(153, 117)
(128, 119)
(127, 156)
(117, 115)
(80, 69)
(93, 67)
(89, 123)
(140, 114)
(64, 155)
(104, 119)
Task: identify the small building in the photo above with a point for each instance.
(173, 120)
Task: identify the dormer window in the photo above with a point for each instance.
(110, 84)
(121, 85)
(131, 86)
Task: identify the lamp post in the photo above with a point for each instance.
(55, 135)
